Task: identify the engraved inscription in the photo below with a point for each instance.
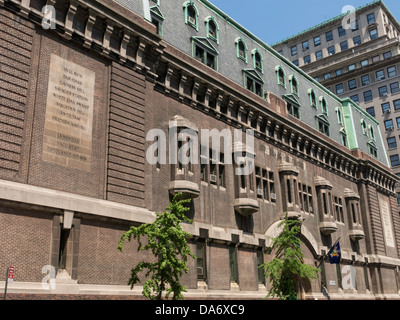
(386, 223)
(67, 138)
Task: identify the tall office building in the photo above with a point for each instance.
(357, 56)
(96, 99)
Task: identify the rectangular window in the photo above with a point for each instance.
(254, 86)
(327, 76)
(341, 31)
(354, 26)
(307, 59)
(365, 80)
(392, 72)
(201, 260)
(337, 202)
(387, 55)
(386, 107)
(355, 98)
(305, 45)
(343, 45)
(392, 144)
(368, 96)
(398, 122)
(364, 63)
(205, 57)
(351, 67)
(352, 84)
(331, 50)
(339, 72)
(260, 261)
(329, 36)
(388, 124)
(357, 40)
(371, 111)
(383, 91)
(318, 55)
(371, 18)
(339, 88)
(293, 50)
(380, 75)
(317, 41)
(221, 171)
(373, 34)
(323, 127)
(394, 87)
(394, 160)
(233, 263)
(396, 104)
(376, 59)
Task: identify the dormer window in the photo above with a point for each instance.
(191, 14)
(257, 60)
(323, 124)
(253, 82)
(212, 29)
(204, 52)
(294, 85)
(372, 149)
(313, 98)
(241, 49)
(364, 127)
(281, 76)
(324, 106)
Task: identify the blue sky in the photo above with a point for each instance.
(272, 21)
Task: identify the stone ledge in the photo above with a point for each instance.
(28, 194)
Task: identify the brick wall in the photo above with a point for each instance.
(218, 267)
(25, 239)
(15, 59)
(126, 155)
(100, 262)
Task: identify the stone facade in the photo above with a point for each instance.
(63, 221)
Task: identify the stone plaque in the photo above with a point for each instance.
(386, 222)
(67, 138)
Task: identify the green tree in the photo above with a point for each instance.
(167, 242)
(288, 267)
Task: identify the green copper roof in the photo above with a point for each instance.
(328, 21)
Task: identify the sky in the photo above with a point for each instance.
(273, 21)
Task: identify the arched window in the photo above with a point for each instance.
(241, 49)
(364, 127)
(343, 137)
(212, 29)
(339, 115)
(324, 105)
(313, 98)
(257, 60)
(191, 14)
(281, 76)
(294, 85)
(372, 132)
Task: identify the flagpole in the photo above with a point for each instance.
(323, 258)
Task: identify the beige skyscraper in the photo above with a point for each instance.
(357, 58)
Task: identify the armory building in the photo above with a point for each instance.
(79, 95)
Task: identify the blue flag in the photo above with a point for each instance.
(334, 254)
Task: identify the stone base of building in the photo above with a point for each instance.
(63, 290)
